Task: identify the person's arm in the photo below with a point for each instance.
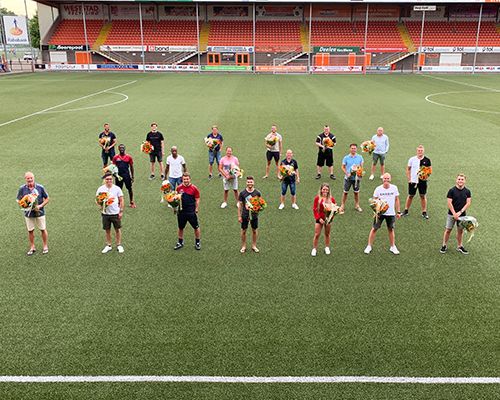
(408, 173)
(43, 203)
(162, 147)
(167, 168)
(398, 207)
(387, 144)
(113, 143)
(184, 168)
(221, 144)
(450, 207)
(132, 172)
(121, 203)
(319, 143)
(297, 173)
(221, 169)
(344, 170)
(197, 201)
(240, 208)
(281, 145)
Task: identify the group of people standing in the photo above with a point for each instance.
(175, 170)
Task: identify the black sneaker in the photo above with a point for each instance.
(209, 176)
(151, 177)
(318, 176)
(197, 246)
(178, 246)
(163, 177)
(462, 250)
(404, 213)
(332, 176)
(425, 216)
(220, 175)
(443, 249)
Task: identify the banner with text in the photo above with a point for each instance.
(337, 49)
(233, 49)
(458, 49)
(16, 31)
(74, 11)
(279, 12)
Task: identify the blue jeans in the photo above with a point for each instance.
(286, 184)
(213, 156)
(175, 181)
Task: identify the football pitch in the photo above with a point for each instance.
(153, 311)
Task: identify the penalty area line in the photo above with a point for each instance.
(249, 379)
(65, 103)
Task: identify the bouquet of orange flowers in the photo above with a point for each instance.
(331, 210)
(165, 189)
(112, 169)
(174, 200)
(103, 200)
(147, 147)
(271, 139)
(236, 172)
(357, 171)
(105, 141)
(469, 224)
(368, 146)
(379, 206)
(328, 143)
(256, 204)
(211, 143)
(28, 202)
(286, 170)
(424, 172)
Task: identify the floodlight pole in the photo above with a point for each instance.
(253, 39)
(477, 37)
(86, 37)
(310, 34)
(198, 35)
(29, 37)
(142, 38)
(421, 38)
(366, 37)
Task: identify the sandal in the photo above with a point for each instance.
(255, 249)
(31, 252)
(243, 249)
(45, 251)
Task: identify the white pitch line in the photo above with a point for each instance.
(249, 379)
(462, 83)
(428, 99)
(64, 104)
(124, 99)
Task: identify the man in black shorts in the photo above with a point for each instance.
(273, 150)
(107, 142)
(459, 200)
(246, 217)
(125, 165)
(415, 183)
(188, 211)
(325, 153)
(155, 137)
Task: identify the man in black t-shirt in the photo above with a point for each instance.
(245, 216)
(107, 142)
(156, 139)
(325, 152)
(459, 199)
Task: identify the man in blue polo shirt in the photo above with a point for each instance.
(350, 178)
(36, 216)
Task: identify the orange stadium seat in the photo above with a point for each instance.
(72, 32)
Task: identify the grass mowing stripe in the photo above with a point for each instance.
(64, 104)
(250, 379)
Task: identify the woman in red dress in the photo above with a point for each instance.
(322, 200)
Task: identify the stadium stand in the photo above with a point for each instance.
(71, 32)
(230, 33)
(454, 33)
(381, 34)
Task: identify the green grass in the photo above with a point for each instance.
(155, 311)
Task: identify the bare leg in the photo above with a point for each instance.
(356, 199)
(371, 236)
(460, 236)
(344, 198)
(268, 167)
(180, 233)
(225, 195)
(294, 199)
(392, 237)
(409, 199)
(152, 168)
(31, 238)
(197, 233)
(446, 236)
(423, 203)
(45, 239)
(277, 169)
(317, 233)
(382, 169)
(254, 238)
(108, 237)
(373, 169)
(243, 238)
(327, 235)
(235, 195)
(118, 236)
(330, 170)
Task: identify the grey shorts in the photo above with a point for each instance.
(377, 157)
(450, 222)
(348, 182)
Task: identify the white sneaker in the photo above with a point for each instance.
(327, 251)
(106, 249)
(372, 177)
(368, 249)
(314, 252)
(120, 248)
(281, 206)
(223, 205)
(394, 250)
(295, 206)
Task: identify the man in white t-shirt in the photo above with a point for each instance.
(389, 193)
(415, 183)
(273, 150)
(175, 167)
(112, 213)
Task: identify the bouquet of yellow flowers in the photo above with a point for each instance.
(103, 200)
(286, 170)
(174, 199)
(105, 141)
(211, 143)
(331, 210)
(271, 139)
(28, 202)
(357, 171)
(328, 143)
(165, 189)
(236, 172)
(469, 224)
(424, 172)
(147, 147)
(112, 169)
(379, 206)
(368, 146)
(256, 204)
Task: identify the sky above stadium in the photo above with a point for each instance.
(17, 6)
